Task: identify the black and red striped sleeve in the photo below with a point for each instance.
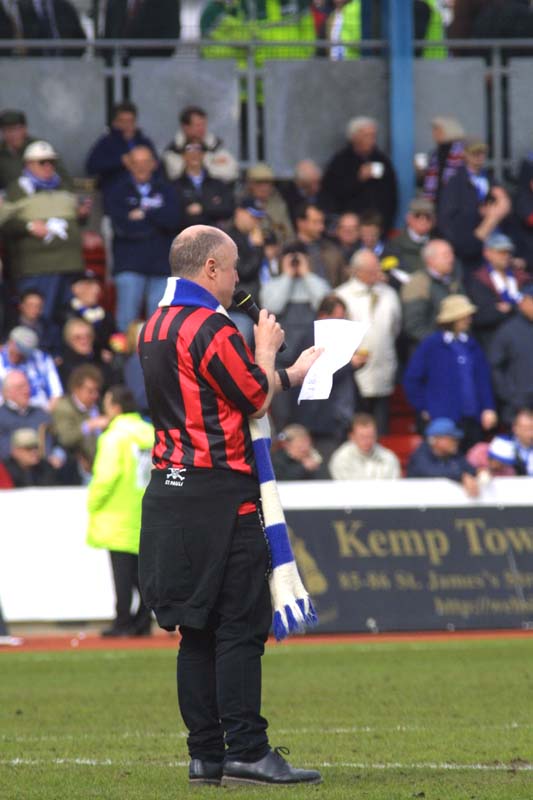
(228, 366)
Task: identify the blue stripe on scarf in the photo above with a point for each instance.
(263, 461)
(280, 548)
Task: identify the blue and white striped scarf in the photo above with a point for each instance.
(292, 607)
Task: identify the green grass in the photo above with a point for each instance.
(383, 721)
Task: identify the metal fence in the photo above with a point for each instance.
(288, 109)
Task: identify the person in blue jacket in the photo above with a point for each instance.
(145, 216)
(449, 376)
(439, 457)
(107, 158)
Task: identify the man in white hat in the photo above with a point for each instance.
(42, 228)
(449, 376)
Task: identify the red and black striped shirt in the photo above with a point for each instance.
(202, 384)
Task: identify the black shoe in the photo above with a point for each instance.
(115, 632)
(272, 769)
(205, 772)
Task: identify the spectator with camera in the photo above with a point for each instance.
(294, 296)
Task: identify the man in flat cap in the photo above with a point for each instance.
(14, 139)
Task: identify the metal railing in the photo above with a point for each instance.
(116, 56)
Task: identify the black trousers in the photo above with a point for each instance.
(219, 667)
(126, 578)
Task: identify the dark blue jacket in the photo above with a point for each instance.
(432, 380)
(105, 157)
(511, 359)
(459, 216)
(143, 245)
(425, 464)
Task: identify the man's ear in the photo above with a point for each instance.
(210, 268)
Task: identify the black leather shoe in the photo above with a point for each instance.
(272, 769)
(205, 772)
(115, 632)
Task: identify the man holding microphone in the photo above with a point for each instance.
(204, 558)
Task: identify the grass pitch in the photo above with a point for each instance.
(440, 720)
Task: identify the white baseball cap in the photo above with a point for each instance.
(36, 151)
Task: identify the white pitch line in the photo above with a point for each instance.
(107, 762)
(355, 729)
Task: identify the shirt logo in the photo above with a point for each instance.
(175, 476)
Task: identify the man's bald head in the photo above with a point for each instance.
(16, 388)
(193, 247)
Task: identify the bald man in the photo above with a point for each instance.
(203, 558)
(17, 411)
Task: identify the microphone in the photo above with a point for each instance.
(245, 302)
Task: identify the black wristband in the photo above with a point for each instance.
(284, 379)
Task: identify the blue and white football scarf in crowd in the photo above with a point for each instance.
(34, 184)
(292, 608)
(506, 287)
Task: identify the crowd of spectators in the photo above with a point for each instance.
(447, 298)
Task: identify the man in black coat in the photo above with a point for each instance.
(360, 177)
(471, 208)
(204, 200)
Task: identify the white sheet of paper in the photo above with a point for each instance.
(340, 338)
